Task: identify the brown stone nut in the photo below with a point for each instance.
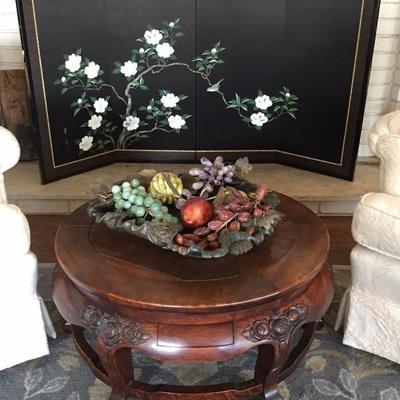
(212, 237)
(192, 237)
(237, 193)
(215, 224)
(247, 206)
(213, 245)
(179, 239)
(203, 244)
(220, 208)
(225, 215)
(188, 243)
(258, 212)
(234, 226)
(202, 231)
(244, 217)
(236, 206)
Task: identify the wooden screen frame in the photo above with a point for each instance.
(343, 169)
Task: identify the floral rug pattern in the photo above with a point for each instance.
(332, 371)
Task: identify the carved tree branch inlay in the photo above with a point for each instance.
(278, 326)
(113, 329)
(110, 124)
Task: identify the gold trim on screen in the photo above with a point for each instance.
(201, 150)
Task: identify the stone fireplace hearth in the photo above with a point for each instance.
(322, 194)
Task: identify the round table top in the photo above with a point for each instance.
(131, 271)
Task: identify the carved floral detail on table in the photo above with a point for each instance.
(163, 113)
(278, 326)
(113, 329)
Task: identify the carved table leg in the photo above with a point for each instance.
(115, 336)
(67, 327)
(272, 393)
(319, 325)
(270, 360)
(273, 355)
(119, 367)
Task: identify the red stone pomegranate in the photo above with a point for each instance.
(196, 212)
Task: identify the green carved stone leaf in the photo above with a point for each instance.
(269, 221)
(240, 247)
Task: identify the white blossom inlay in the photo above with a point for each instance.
(86, 143)
(131, 123)
(263, 102)
(258, 119)
(164, 50)
(92, 70)
(95, 121)
(169, 100)
(129, 68)
(73, 63)
(176, 121)
(153, 37)
(100, 105)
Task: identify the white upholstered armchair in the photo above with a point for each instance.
(371, 307)
(22, 328)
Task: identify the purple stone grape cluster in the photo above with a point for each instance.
(212, 175)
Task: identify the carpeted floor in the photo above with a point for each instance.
(329, 371)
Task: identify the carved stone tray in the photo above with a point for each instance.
(162, 235)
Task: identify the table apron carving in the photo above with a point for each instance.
(278, 326)
(113, 329)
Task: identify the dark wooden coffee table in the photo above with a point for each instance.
(133, 295)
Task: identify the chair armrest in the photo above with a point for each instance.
(9, 150)
(384, 142)
(388, 150)
(14, 231)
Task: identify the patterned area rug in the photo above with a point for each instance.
(329, 371)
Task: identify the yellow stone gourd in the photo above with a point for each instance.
(166, 187)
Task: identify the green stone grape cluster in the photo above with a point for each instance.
(133, 198)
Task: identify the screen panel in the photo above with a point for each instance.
(99, 33)
(310, 56)
(320, 50)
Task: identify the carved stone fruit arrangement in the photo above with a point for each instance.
(221, 214)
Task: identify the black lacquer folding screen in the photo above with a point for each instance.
(173, 80)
